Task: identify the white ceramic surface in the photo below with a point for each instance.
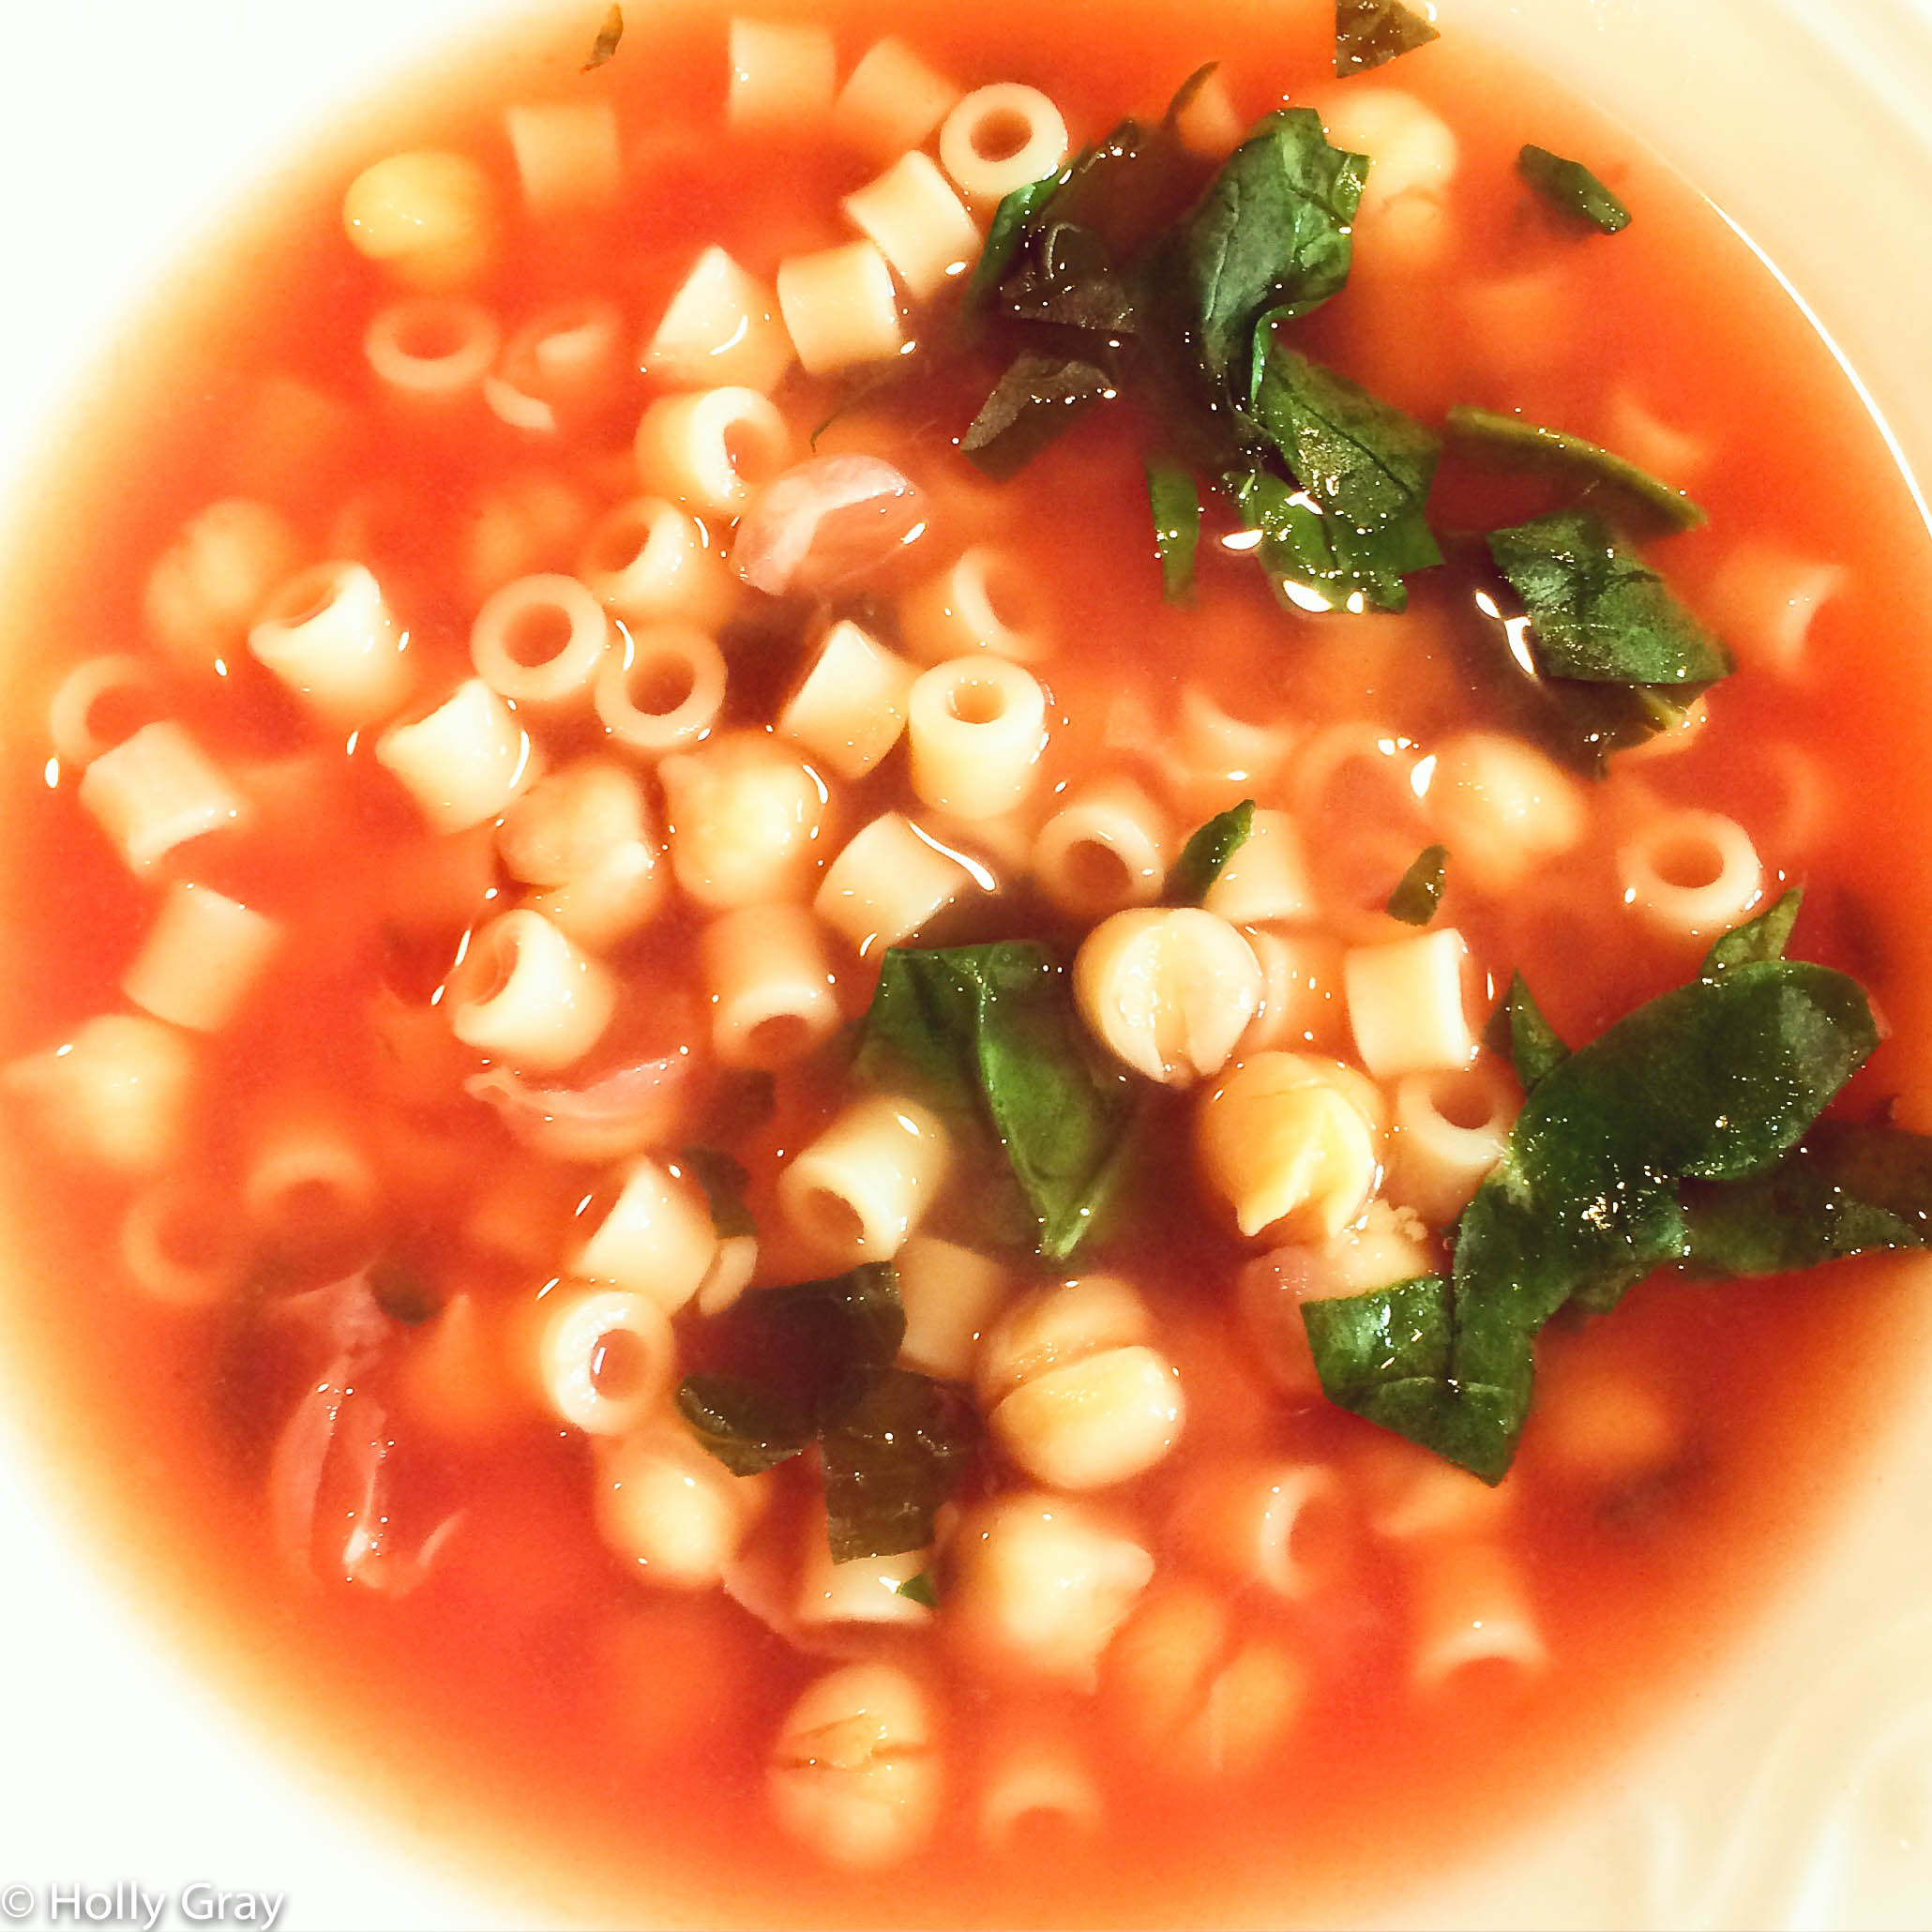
(1795, 1789)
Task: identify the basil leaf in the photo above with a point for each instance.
(741, 1422)
(1272, 233)
(605, 45)
(1483, 434)
(724, 1181)
(1355, 526)
(1715, 1081)
(1038, 398)
(1418, 893)
(1067, 278)
(1599, 614)
(1176, 507)
(1518, 1032)
(1004, 238)
(893, 1461)
(1848, 1190)
(1762, 938)
(1571, 187)
(1205, 856)
(1371, 33)
(921, 1588)
(990, 1033)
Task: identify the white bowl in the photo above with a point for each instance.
(1794, 1789)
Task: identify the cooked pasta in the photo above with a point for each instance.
(331, 637)
(850, 709)
(604, 1358)
(179, 1244)
(709, 451)
(206, 587)
(157, 791)
(114, 1094)
(917, 223)
(745, 817)
(668, 1508)
(979, 602)
(859, 1190)
(533, 998)
(951, 1295)
(1000, 138)
(891, 100)
(1408, 1006)
(1472, 1617)
(202, 958)
(567, 156)
(1689, 874)
(655, 1239)
(93, 704)
(773, 993)
(650, 561)
(887, 883)
(840, 308)
(558, 368)
(1109, 847)
(975, 728)
(1450, 1129)
(721, 327)
(464, 761)
(783, 75)
(433, 351)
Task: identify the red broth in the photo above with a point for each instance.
(532, 1696)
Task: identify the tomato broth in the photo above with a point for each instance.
(593, 1736)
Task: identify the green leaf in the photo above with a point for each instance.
(1848, 1190)
(1599, 614)
(1418, 893)
(1762, 938)
(1371, 33)
(1571, 187)
(745, 1425)
(1518, 1032)
(1067, 278)
(1205, 856)
(1715, 1081)
(1354, 523)
(1185, 92)
(1271, 236)
(724, 1181)
(1484, 434)
(1176, 507)
(1036, 399)
(1004, 237)
(605, 45)
(893, 1461)
(989, 1033)
(921, 1588)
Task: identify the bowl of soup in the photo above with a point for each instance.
(968, 970)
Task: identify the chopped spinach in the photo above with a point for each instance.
(1418, 893)
(1571, 187)
(1713, 1083)
(1484, 433)
(989, 1034)
(1521, 1034)
(1272, 237)
(1176, 507)
(1598, 612)
(1762, 938)
(891, 1460)
(1371, 33)
(1353, 525)
(605, 45)
(1004, 237)
(1205, 856)
(1038, 398)
(921, 1589)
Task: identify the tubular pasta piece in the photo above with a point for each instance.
(1470, 1611)
(179, 1244)
(158, 790)
(729, 1275)
(1765, 602)
(310, 1187)
(951, 1296)
(1035, 1784)
(1690, 875)
(1407, 1005)
(918, 223)
(427, 215)
(722, 327)
(533, 998)
(433, 350)
(981, 601)
(656, 1239)
(840, 308)
(329, 636)
(1450, 1128)
(1502, 808)
(975, 728)
(1000, 138)
(464, 761)
(1267, 878)
(746, 816)
(891, 100)
(864, 1591)
(650, 561)
(540, 641)
(1283, 1524)
(1109, 847)
(783, 77)
(671, 1510)
(850, 709)
(605, 1358)
(857, 1192)
(203, 956)
(887, 883)
(81, 715)
(1302, 1006)
(557, 368)
(663, 690)
(567, 154)
(709, 451)
(773, 993)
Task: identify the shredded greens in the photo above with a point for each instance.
(1175, 504)
(1205, 856)
(1418, 893)
(1571, 187)
(1371, 33)
(1484, 434)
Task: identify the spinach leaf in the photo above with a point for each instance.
(1418, 893)
(1371, 33)
(1004, 238)
(1066, 277)
(989, 1033)
(724, 1181)
(1571, 187)
(1762, 938)
(1715, 1081)
(921, 1589)
(742, 1423)
(1847, 1190)
(1509, 439)
(1598, 612)
(1269, 236)
(1518, 1032)
(1038, 398)
(1176, 505)
(605, 45)
(891, 1461)
(1205, 856)
(1354, 524)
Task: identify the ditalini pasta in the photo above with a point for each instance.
(914, 955)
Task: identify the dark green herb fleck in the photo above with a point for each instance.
(921, 1588)
(1418, 893)
(1205, 856)
(1571, 187)
(605, 45)
(724, 1180)
(891, 1461)
(1176, 507)
(1484, 434)
(1371, 33)
(1036, 399)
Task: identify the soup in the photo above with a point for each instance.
(702, 1053)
